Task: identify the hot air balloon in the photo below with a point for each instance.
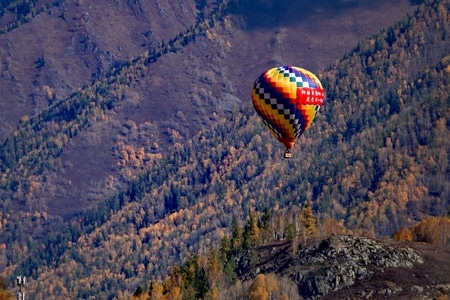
(287, 99)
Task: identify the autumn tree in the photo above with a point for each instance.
(156, 291)
(271, 283)
(214, 267)
(251, 232)
(4, 294)
(403, 234)
(329, 226)
(262, 287)
(308, 220)
(258, 289)
(236, 235)
(172, 286)
(433, 230)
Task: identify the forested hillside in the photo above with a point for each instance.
(312, 263)
(105, 82)
(375, 159)
(388, 117)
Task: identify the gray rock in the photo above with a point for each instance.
(417, 289)
(332, 264)
(337, 262)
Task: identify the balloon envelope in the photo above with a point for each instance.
(287, 99)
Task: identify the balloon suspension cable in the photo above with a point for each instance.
(287, 154)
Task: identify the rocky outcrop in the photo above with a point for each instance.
(337, 262)
(330, 264)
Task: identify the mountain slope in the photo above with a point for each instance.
(378, 169)
(197, 83)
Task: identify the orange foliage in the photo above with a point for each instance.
(4, 295)
(331, 226)
(271, 283)
(433, 230)
(156, 291)
(214, 294)
(403, 234)
(258, 289)
(262, 287)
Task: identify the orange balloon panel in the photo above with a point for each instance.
(287, 99)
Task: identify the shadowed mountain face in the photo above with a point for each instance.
(291, 13)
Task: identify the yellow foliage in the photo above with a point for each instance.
(446, 60)
(213, 294)
(331, 226)
(403, 234)
(262, 287)
(48, 91)
(433, 230)
(140, 297)
(173, 294)
(308, 219)
(402, 199)
(156, 292)
(4, 295)
(258, 289)
(271, 283)
(447, 69)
